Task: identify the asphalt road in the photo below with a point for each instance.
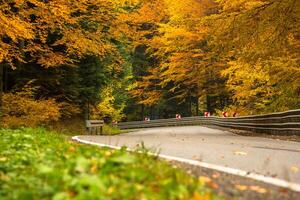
(269, 157)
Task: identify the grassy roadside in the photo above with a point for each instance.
(76, 126)
(38, 164)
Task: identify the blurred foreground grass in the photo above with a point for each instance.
(38, 164)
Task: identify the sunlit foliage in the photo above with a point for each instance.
(260, 40)
(252, 46)
(21, 110)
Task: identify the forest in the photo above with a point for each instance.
(127, 59)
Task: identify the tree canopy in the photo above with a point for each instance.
(132, 58)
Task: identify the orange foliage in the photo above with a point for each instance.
(178, 42)
(22, 110)
(57, 32)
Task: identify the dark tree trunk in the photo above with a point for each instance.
(151, 112)
(197, 106)
(5, 79)
(208, 106)
(88, 110)
(142, 112)
(191, 106)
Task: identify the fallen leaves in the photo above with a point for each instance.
(198, 158)
(94, 168)
(204, 179)
(216, 175)
(240, 153)
(241, 187)
(254, 188)
(294, 169)
(197, 196)
(207, 181)
(258, 189)
(72, 149)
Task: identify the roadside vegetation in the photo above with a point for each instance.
(77, 126)
(38, 164)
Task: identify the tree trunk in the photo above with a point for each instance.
(88, 111)
(197, 106)
(208, 106)
(5, 78)
(142, 112)
(191, 106)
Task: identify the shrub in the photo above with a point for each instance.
(23, 110)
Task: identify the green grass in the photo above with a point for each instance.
(112, 130)
(38, 164)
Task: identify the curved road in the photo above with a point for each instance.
(269, 157)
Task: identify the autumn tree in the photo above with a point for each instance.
(185, 65)
(260, 42)
(68, 47)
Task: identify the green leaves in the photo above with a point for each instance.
(44, 169)
(82, 164)
(123, 159)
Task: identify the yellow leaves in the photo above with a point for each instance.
(22, 109)
(68, 110)
(82, 43)
(107, 107)
(150, 12)
(197, 196)
(241, 187)
(60, 9)
(208, 181)
(294, 169)
(147, 90)
(240, 153)
(237, 5)
(15, 28)
(188, 12)
(254, 4)
(3, 159)
(72, 149)
(58, 32)
(53, 59)
(250, 83)
(178, 43)
(4, 176)
(108, 153)
(204, 179)
(254, 188)
(258, 189)
(110, 190)
(94, 168)
(3, 52)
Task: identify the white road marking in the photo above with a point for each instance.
(270, 180)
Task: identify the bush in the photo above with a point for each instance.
(23, 110)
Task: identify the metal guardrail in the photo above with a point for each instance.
(275, 123)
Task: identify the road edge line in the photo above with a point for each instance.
(266, 179)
